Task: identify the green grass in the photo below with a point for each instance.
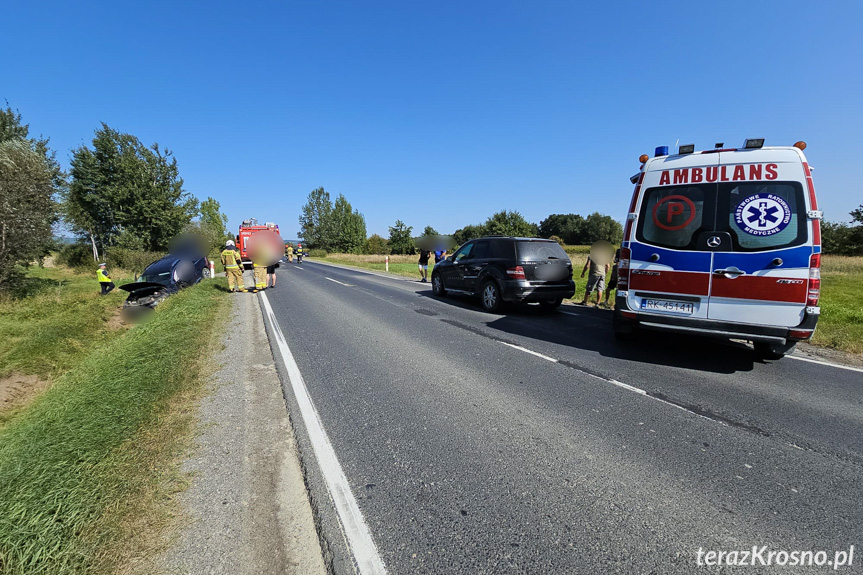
(71, 462)
(841, 322)
(60, 320)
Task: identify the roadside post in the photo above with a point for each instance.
(388, 263)
(212, 269)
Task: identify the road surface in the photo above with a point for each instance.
(532, 442)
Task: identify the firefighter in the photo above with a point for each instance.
(232, 262)
(260, 272)
(104, 281)
(289, 251)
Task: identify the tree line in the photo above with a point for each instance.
(119, 193)
(841, 238)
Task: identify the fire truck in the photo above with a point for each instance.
(249, 228)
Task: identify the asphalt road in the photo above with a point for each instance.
(532, 442)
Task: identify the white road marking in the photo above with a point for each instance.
(298, 267)
(338, 282)
(531, 352)
(819, 362)
(357, 533)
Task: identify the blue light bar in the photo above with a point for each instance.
(660, 151)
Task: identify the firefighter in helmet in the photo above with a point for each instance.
(233, 266)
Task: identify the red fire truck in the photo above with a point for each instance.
(249, 228)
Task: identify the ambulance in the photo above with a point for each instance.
(724, 243)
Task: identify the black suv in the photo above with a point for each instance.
(500, 269)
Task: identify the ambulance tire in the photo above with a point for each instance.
(764, 350)
(624, 330)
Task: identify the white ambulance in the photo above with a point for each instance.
(724, 243)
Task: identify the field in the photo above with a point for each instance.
(840, 326)
(87, 456)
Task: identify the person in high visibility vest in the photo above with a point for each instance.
(289, 251)
(260, 273)
(104, 280)
(233, 267)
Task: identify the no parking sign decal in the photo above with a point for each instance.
(762, 214)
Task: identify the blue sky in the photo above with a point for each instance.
(439, 113)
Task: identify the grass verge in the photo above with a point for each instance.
(89, 454)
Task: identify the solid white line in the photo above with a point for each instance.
(819, 362)
(338, 282)
(637, 390)
(357, 533)
(525, 350)
(298, 267)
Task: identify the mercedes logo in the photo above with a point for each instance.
(714, 242)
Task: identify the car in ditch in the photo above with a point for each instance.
(164, 277)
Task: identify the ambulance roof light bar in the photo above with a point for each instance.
(686, 149)
(660, 151)
(753, 143)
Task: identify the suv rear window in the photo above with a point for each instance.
(539, 251)
(758, 215)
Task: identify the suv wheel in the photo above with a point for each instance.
(551, 304)
(437, 285)
(764, 350)
(490, 295)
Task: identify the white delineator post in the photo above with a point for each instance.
(212, 269)
(388, 263)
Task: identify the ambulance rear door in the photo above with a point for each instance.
(670, 267)
(761, 277)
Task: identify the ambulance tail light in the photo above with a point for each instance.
(813, 293)
(516, 273)
(623, 269)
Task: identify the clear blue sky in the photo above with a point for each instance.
(439, 113)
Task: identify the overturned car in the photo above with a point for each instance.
(162, 278)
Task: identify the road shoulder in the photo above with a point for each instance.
(246, 510)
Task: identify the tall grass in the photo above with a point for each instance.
(68, 463)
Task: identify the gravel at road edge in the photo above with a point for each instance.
(247, 507)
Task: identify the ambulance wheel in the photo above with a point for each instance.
(624, 330)
(764, 350)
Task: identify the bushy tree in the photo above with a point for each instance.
(430, 231)
(568, 227)
(468, 233)
(377, 245)
(600, 227)
(125, 193)
(401, 241)
(212, 226)
(315, 219)
(30, 177)
(840, 238)
(507, 223)
(347, 228)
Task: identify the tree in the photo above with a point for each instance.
(125, 193)
(468, 233)
(347, 228)
(506, 223)
(600, 227)
(430, 231)
(401, 241)
(377, 245)
(842, 239)
(30, 177)
(212, 225)
(568, 227)
(314, 220)
(27, 209)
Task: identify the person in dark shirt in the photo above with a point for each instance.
(423, 264)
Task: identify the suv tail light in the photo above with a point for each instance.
(623, 269)
(813, 294)
(516, 273)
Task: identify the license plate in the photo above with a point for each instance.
(681, 307)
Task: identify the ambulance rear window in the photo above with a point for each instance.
(671, 215)
(765, 215)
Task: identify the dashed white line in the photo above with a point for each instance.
(338, 282)
(531, 352)
(819, 362)
(357, 533)
(297, 267)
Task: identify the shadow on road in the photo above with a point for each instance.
(589, 329)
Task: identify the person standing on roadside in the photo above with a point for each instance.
(271, 276)
(439, 256)
(104, 280)
(289, 251)
(612, 279)
(232, 261)
(423, 264)
(596, 281)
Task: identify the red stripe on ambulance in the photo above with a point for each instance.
(691, 283)
(765, 288)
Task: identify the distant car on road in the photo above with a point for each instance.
(507, 269)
